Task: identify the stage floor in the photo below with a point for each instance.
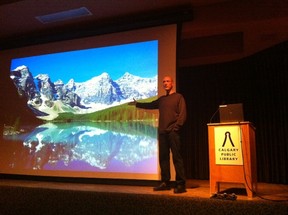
(195, 188)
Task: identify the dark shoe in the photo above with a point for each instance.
(162, 186)
(180, 189)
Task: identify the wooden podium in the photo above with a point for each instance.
(232, 155)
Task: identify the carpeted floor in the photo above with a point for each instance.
(31, 197)
(18, 200)
(42, 201)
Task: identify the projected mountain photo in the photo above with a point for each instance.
(47, 99)
(86, 125)
(86, 81)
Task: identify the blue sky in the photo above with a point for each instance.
(139, 59)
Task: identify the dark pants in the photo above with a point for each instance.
(171, 141)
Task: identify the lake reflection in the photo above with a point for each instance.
(92, 147)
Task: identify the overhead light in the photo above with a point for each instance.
(64, 15)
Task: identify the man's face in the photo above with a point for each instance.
(167, 83)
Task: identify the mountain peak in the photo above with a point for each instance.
(19, 68)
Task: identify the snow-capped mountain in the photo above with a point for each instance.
(137, 87)
(47, 99)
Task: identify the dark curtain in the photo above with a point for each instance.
(260, 82)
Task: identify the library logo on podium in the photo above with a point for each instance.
(228, 147)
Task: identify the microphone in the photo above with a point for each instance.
(223, 104)
(214, 114)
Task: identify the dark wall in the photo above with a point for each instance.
(260, 82)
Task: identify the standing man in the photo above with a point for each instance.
(172, 115)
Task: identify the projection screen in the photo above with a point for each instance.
(65, 109)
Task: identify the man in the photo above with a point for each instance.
(172, 115)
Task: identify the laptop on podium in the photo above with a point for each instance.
(231, 113)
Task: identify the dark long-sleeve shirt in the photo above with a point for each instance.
(172, 111)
